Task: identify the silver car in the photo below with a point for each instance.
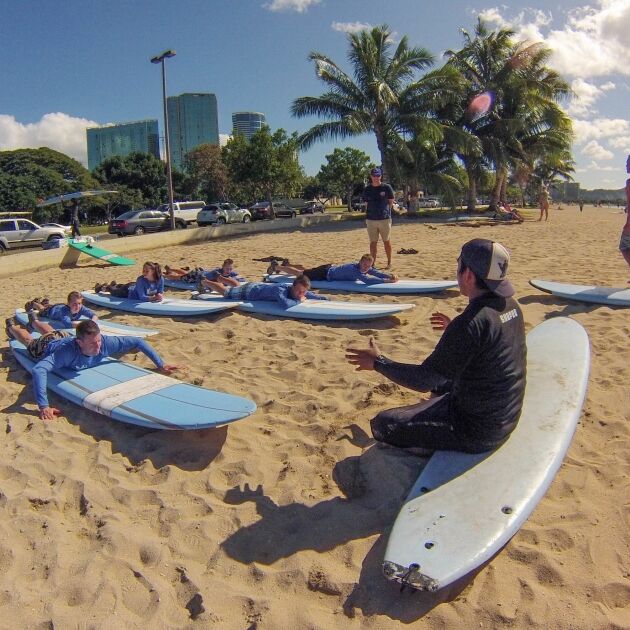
(22, 233)
(222, 212)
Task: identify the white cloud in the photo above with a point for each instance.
(596, 151)
(586, 94)
(301, 6)
(350, 27)
(595, 41)
(606, 87)
(57, 131)
(600, 128)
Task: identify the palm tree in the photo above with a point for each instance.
(383, 97)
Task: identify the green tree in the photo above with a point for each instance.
(343, 170)
(209, 178)
(385, 97)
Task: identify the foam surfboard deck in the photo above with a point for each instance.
(184, 286)
(101, 254)
(134, 395)
(402, 287)
(107, 327)
(585, 293)
(312, 309)
(168, 306)
(464, 508)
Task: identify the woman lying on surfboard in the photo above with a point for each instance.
(149, 287)
(363, 270)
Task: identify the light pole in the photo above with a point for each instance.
(169, 175)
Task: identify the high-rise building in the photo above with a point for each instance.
(247, 123)
(192, 120)
(122, 139)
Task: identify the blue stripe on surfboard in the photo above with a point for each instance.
(168, 306)
(315, 309)
(585, 293)
(114, 327)
(402, 287)
(176, 406)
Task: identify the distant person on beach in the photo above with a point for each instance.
(287, 295)
(624, 243)
(581, 204)
(149, 287)
(74, 218)
(68, 315)
(505, 211)
(543, 202)
(58, 349)
(380, 202)
(363, 271)
(476, 372)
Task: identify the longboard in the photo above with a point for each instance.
(185, 286)
(168, 306)
(312, 309)
(101, 254)
(464, 508)
(402, 287)
(134, 395)
(585, 293)
(107, 327)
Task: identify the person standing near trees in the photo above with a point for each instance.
(74, 218)
(543, 202)
(380, 201)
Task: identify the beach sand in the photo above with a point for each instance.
(280, 521)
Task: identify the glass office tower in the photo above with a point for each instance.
(192, 120)
(122, 139)
(247, 123)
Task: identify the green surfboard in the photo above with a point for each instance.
(102, 254)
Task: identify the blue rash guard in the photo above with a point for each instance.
(63, 314)
(213, 274)
(352, 271)
(269, 292)
(65, 353)
(144, 289)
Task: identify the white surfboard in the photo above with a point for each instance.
(585, 293)
(464, 508)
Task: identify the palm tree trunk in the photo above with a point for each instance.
(472, 189)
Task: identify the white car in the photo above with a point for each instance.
(222, 212)
(429, 202)
(65, 228)
(22, 233)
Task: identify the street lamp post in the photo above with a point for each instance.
(169, 175)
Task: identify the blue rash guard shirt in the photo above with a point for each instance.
(269, 292)
(63, 314)
(352, 271)
(213, 274)
(65, 353)
(144, 289)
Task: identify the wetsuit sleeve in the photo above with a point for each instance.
(86, 312)
(284, 300)
(378, 274)
(121, 345)
(55, 360)
(314, 296)
(141, 289)
(420, 378)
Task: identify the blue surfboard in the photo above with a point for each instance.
(402, 287)
(312, 309)
(134, 395)
(168, 306)
(107, 327)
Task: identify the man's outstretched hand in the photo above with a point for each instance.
(363, 359)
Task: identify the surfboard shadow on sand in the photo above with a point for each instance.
(374, 485)
(187, 450)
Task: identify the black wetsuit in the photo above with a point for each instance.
(479, 365)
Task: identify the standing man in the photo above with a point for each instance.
(624, 244)
(380, 201)
(74, 218)
(476, 372)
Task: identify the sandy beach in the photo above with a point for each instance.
(280, 520)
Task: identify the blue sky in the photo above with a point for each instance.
(76, 63)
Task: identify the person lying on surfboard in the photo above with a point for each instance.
(363, 270)
(149, 287)
(225, 274)
(57, 349)
(476, 372)
(287, 295)
(68, 314)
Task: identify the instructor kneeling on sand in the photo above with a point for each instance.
(476, 372)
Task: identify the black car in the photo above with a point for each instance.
(261, 210)
(311, 207)
(139, 222)
(283, 210)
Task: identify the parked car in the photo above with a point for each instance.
(358, 204)
(222, 212)
(284, 210)
(311, 207)
(184, 212)
(261, 210)
(139, 222)
(429, 202)
(22, 233)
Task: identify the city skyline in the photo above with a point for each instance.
(87, 65)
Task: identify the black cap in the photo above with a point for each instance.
(488, 260)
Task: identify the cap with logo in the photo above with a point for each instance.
(489, 260)
(376, 172)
